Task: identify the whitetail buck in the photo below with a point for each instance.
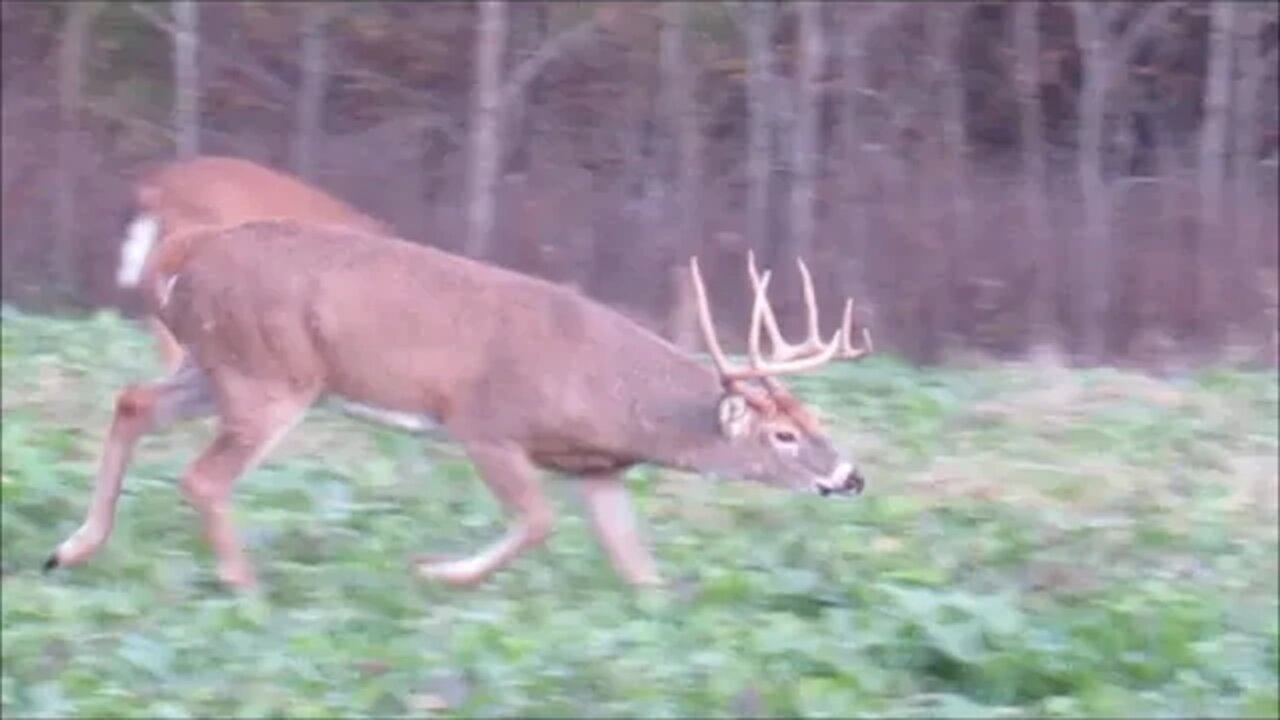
(526, 375)
(215, 191)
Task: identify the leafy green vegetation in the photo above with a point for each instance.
(1034, 541)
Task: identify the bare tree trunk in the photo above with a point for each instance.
(856, 254)
(1216, 249)
(804, 141)
(760, 112)
(491, 34)
(682, 114)
(70, 102)
(858, 259)
(1090, 287)
(1039, 246)
(945, 27)
(680, 108)
(309, 108)
(1249, 201)
(805, 144)
(186, 108)
(1102, 53)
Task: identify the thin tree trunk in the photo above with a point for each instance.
(491, 33)
(804, 147)
(1039, 245)
(682, 112)
(855, 255)
(946, 24)
(858, 244)
(490, 99)
(1249, 199)
(1092, 263)
(309, 109)
(858, 260)
(186, 107)
(70, 101)
(760, 111)
(1216, 249)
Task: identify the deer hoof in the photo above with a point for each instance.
(237, 578)
(647, 580)
(457, 573)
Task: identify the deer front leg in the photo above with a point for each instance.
(140, 409)
(250, 427)
(514, 481)
(171, 352)
(609, 507)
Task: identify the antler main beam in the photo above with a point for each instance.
(785, 357)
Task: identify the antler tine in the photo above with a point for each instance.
(814, 341)
(759, 367)
(783, 350)
(760, 313)
(847, 350)
(759, 308)
(706, 323)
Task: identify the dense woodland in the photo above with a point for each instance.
(1096, 179)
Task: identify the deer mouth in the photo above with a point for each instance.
(844, 480)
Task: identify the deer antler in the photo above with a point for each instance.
(847, 350)
(783, 350)
(786, 358)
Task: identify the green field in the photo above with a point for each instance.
(1033, 541)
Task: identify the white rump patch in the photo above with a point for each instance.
(139, 239)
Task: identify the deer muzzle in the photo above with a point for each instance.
(845, 479)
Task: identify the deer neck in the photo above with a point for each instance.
(673, 421)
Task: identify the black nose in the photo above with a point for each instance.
(854, 482)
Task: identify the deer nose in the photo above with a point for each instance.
(854, 482)
(844, 479)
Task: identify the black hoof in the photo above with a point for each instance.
(51, 563)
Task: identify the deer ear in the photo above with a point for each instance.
(735, 416)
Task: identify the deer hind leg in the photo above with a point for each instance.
(514, 481)
(609, 507)
(140, 409)
(253, 420)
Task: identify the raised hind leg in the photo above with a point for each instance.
(140, 409)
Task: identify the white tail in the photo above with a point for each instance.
(140, 239)
(524, 374)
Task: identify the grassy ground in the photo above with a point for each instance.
(1034, 541)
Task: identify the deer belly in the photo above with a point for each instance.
(412, 422)
(383, 390)
(581, 462)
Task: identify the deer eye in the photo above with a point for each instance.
(786, 437)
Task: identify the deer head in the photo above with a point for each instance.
(766, 435)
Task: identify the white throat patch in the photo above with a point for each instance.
(139, 239)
